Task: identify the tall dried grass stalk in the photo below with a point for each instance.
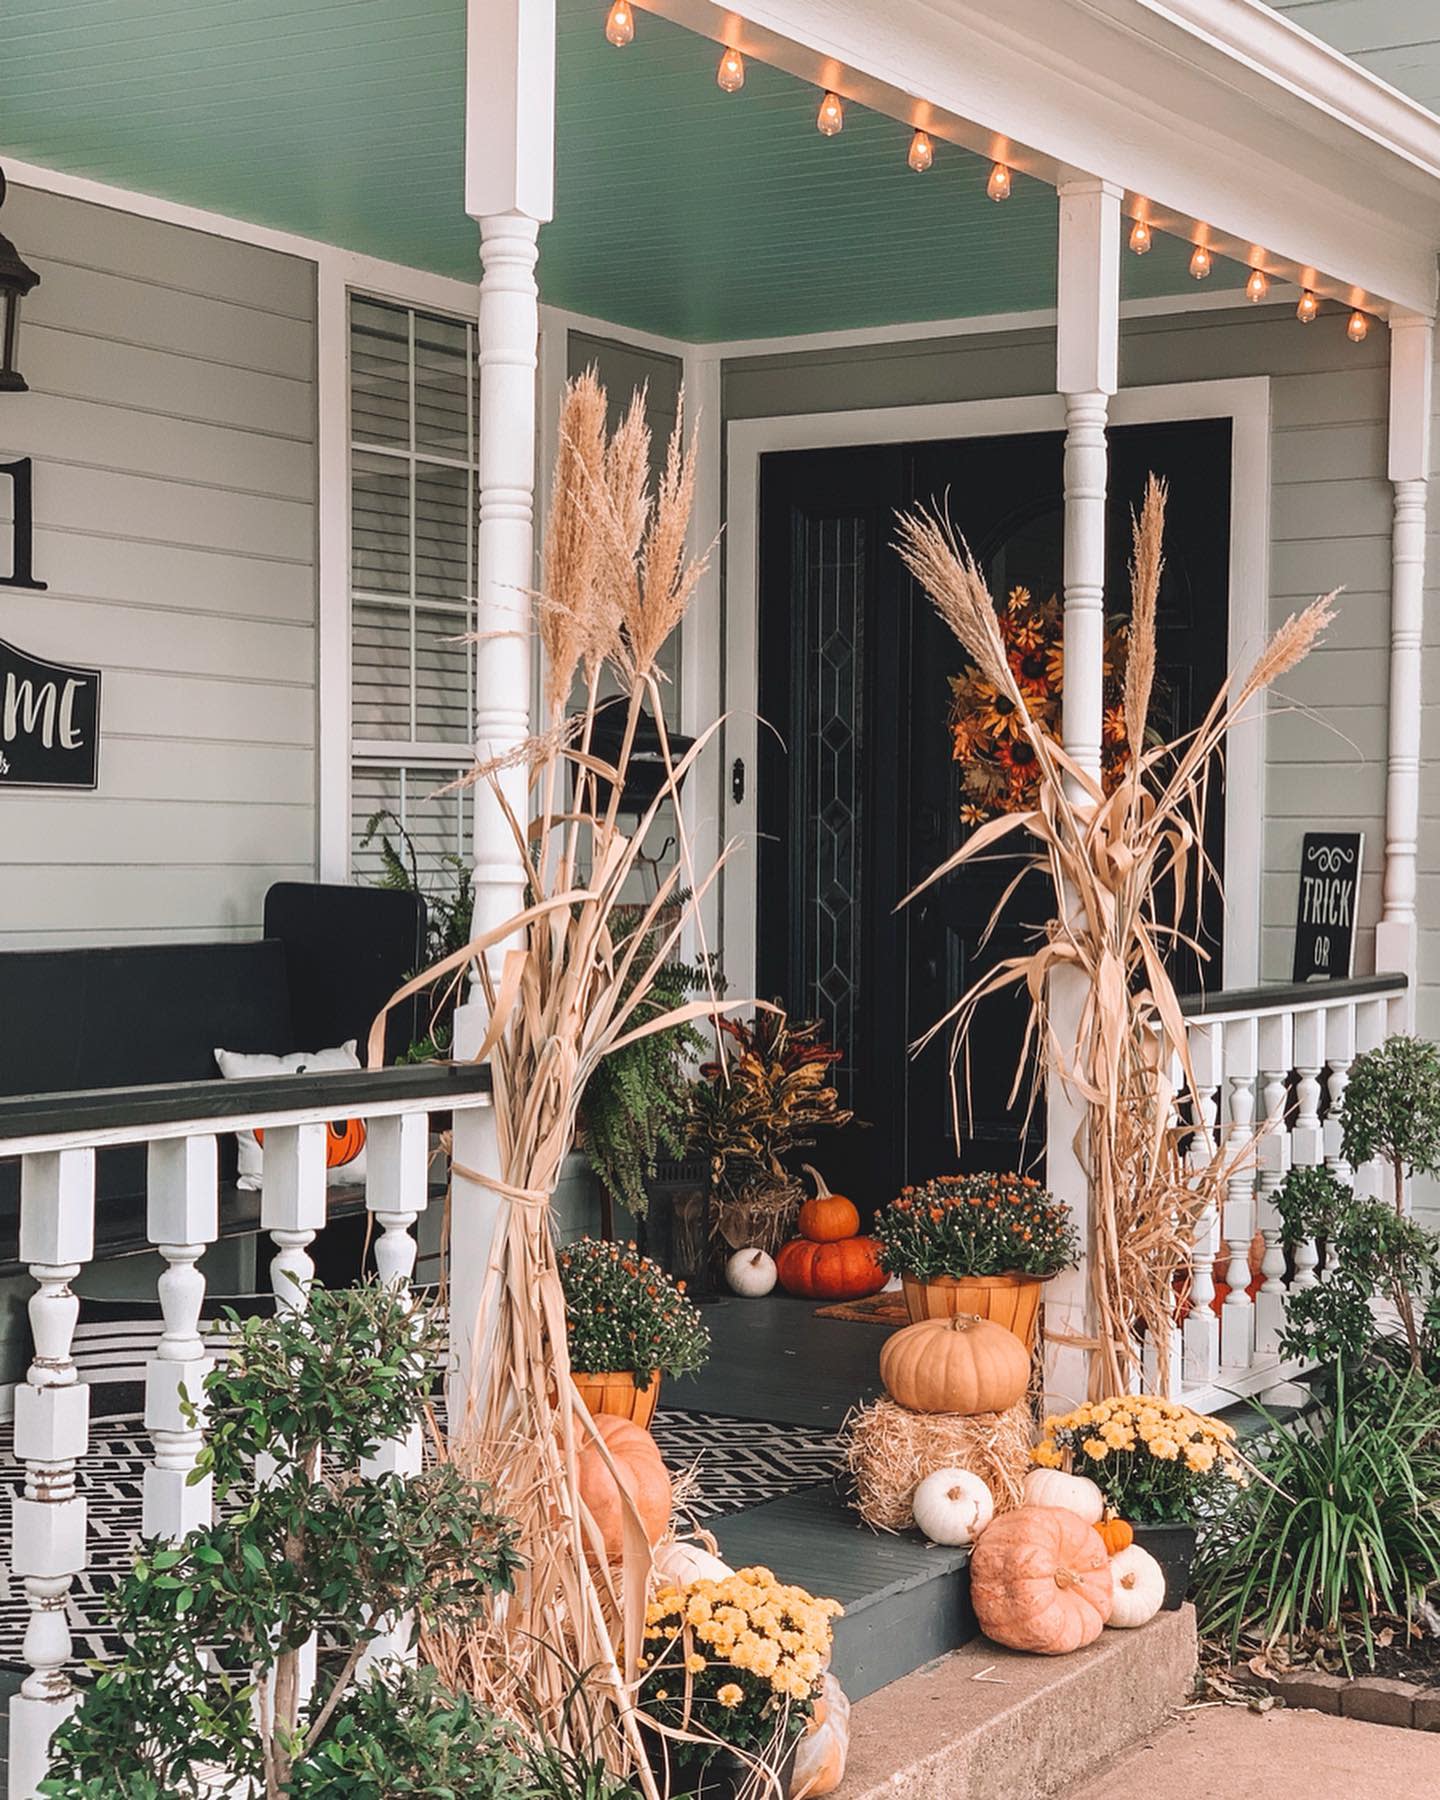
(1125, 870)
(562, 983)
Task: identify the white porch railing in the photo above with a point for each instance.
(56, 1138)
(1276, 1060)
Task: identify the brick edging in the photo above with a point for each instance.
(1377, 1699)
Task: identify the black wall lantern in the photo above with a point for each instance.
(17, 278)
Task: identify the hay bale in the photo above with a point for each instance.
(890, 1450)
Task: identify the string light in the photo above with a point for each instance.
(1258, 286)
(1359, 327)
(1309, 308)
(998, 186)
(1200, 263)
(830, 120)
(620, 26)
(922, 153)
(731, 73)
(1140, 238)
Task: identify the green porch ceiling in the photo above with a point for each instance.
(680, 209)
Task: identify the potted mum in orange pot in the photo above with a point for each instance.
(982, 1244)
(628, 1325)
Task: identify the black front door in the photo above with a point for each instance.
(859, 797)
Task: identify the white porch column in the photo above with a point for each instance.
(1087, 361)
(509, 191)
(1412, 352)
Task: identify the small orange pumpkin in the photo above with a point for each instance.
(957, 1365)
(639, 1474)
(1115, 1535)
(1040, 1581)
(344, 1140)
(827, 1218)
(846, 1270)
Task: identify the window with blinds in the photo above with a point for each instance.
(413, 449)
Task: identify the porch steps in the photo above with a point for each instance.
(989, 1724)
(905, 1602)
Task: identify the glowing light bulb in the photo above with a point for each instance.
(731, 73)
(1309, 308)
(998, 186)
(1359, 327)
(620, 26)
(922, 153)
(1140, 238)
(1200, 263)
(830, 120)
(1258, 286)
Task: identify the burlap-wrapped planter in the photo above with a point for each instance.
(890, 1450)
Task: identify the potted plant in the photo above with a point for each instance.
(1392, 1110)
(628, 1325)
(730, 1677)
(982, 1244)
(1155, 1462)
(757, 1104)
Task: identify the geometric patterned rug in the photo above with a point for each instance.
(736, 1463)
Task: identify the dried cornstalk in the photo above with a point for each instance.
(564, 982)
(1123, 869)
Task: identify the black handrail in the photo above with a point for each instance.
(1279, 995)
(344, 1091)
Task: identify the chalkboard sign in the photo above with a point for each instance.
(49, 722)
(1329, 896)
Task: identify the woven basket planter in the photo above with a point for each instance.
(615, 1392)
(1009, 1300)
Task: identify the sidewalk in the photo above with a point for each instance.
(1227, 1753)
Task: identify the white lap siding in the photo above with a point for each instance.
(171, 420)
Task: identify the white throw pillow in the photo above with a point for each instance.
(235, 1065)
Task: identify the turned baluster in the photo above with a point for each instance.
(1307, 1137)
(52, 1434)
(1201, 1331)
(1276, 1053)
(1339, 1054)
(1237, 1318)
(182, 1219)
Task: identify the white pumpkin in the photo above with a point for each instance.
(750, 1273)
(1139, 1587)
(952, 1506)
(681, 1561)
(1073, 1493)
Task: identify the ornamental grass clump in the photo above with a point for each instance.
(733, 1664)
(960, 1225)
(624, 1313)
(1154, 1460)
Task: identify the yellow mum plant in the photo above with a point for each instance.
(736, 1663)
(1152, 1458)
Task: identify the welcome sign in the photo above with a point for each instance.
(1329, 896)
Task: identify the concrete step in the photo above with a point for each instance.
(990, 1724)
(906, 1602)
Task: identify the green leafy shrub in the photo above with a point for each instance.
(1341, 1531)
(625, 1314)
(318, 1545)
(449, 895)
(1392, 1110)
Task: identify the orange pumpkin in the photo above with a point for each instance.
(827, 1218)
(1040, 1581)
(846, 1270)
(1115, 1535)
(958, 1365)
(344, 1140)
(639, 1474)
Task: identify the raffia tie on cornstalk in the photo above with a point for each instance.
(564, 983)
(1125, 870)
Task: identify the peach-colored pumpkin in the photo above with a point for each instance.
(821, 1755)
(1040, 1581)
(958, 1365)
(641, 1474)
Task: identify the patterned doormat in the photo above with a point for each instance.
(732, 1464)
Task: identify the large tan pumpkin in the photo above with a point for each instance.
(642, 1475)
(960, 1365)
(1040, 1581)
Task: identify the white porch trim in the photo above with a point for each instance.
(1245, 401)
